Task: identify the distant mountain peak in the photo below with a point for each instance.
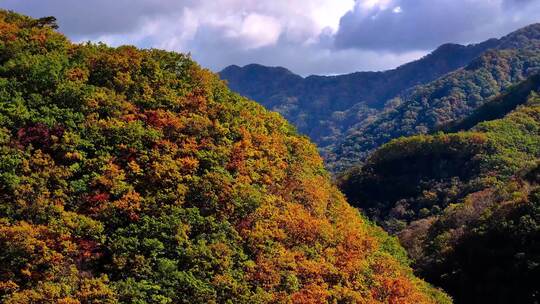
(448, 47)
(323, 107)
(232, 67)
(333, 109)
(255, 67)
(535, 27)
(525, 37)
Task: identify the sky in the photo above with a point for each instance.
(322, 37)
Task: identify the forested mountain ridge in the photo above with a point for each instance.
(465, 205)
(351, 115)
(323, 107)
(497, 107)
(136, 176)
(451, 98)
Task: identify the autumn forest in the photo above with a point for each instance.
(134, 175)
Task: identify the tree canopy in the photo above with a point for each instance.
(136, 176)
(465, 205)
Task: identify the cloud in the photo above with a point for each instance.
(405, 25)
(304, 60)
(308, 36)
(251, 31)
(296, 20)
(98, 17)
(215, 31)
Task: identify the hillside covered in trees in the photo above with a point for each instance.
(448, 99)
(465, 205)
(324, 107)
(135, 176)
(349, 116)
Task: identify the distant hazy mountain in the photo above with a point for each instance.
(350, 115)
(323, 106)
(451, 98)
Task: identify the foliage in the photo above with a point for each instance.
(487, 249)
(464, 205)
(350, 116)
(449, 99)
(325, 107)
(497, 107)
(135, 176)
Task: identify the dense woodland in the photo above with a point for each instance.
(325, 107)
(465, 205)
(451, 98)
(450, 166)
(349, 116)
(135, 176)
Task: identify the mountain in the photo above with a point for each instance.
(465, 205)
(349, 116)
(427, 108)
(323, 107)
(135, 176)
(449, 163)
(497, 107)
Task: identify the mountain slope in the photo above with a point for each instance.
(465, 205)
(135, 176)
(323, 107)
(349, 116)
(451, 98)
(497, 107)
